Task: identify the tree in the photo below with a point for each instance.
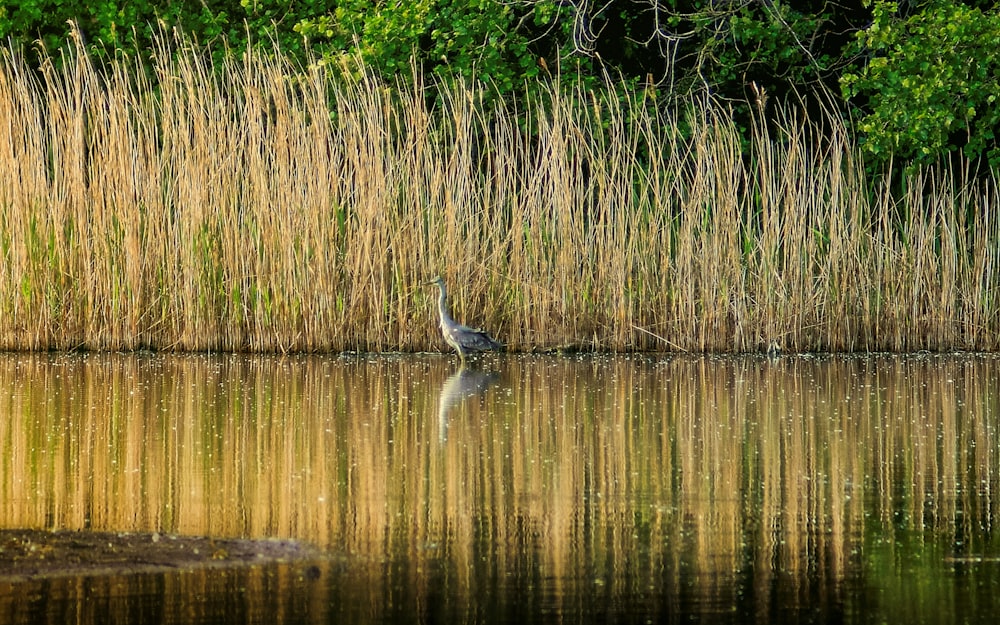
(929, 82)
(109, 25)
(495, 42)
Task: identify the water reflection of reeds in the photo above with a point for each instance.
(106, 599)
(711, 479)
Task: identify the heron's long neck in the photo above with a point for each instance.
(443, 305)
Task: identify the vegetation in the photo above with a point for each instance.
(912, 81)
(932, 84)
(255, 205)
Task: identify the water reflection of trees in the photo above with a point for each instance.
(601, 477)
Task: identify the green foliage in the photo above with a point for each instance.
(765, 43)
(743, 53)
(927, 82)
(109, 25)
(931, 82)
(478, 40)
(493, 42)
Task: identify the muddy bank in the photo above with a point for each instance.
(34, 554)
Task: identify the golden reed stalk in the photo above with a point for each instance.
(258, 206)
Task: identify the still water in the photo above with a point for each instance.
(522, 490)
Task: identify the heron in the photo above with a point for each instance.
(461, 337)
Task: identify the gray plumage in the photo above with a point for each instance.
(463, 339)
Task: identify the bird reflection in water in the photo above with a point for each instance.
(465, 383)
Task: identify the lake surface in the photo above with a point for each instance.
(522, 490)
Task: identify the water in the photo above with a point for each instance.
(527, 489)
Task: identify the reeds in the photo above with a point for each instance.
(261, 206)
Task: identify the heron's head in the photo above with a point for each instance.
(435, 281)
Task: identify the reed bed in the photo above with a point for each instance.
(259, 206)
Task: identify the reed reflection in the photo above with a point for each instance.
(242, 596)
(653, 483)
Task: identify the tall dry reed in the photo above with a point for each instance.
(261, 206)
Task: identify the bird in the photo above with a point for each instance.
(462, 338)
